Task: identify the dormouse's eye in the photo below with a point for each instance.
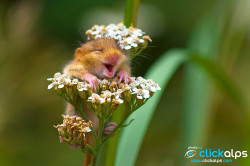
(99, 50)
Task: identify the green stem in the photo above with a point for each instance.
(98, 141)
(113, 143)
(94, 162)
(117, 127)
(131, 12)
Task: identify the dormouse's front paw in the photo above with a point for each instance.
(91, 79)
(109, 129)
(123, 76)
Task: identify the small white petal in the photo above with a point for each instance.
(50, 86)
(87, 129)
(134, 44)
(146, 96)
(152, 89)
(127, 47)
(61, 86)
(139, 97)
(141, 41)
(120, 100)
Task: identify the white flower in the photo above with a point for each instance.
(57, 75)
(81, 86)
(141, 93)
(134, 45)
(118, 93)
(87, 129)
(75, 81)
(141, 41)
(107, 95)
(149, 85)
(50, 86)
(137, 32)
(95, 32)
(117, 37)
(104, 82)
(132, 36)
(53, 84)
(156, 86)
(121, 26)
(127, 47)
(61, 86)
(117, 101)
(96, 99)
(98, 36)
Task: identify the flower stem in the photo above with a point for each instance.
(117, 127)
(98, 141)
(131, 12)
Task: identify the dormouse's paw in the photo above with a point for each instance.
(109, 129)
(91, 79)
(123, 76)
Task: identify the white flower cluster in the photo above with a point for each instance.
(108, 94)
(129, 38)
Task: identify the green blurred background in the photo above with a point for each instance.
(37, 38)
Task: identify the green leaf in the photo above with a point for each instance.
(132, 136)
(220, 78)
(161, 72)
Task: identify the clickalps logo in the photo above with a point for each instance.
(190, 153)
(198, 154)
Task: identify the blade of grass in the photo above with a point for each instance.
(131, 12)
(132, 136)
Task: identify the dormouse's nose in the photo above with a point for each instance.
(113, 59)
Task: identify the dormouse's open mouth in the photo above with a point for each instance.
(109, 71)
(109, 67)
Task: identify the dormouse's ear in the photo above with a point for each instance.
(79, 53)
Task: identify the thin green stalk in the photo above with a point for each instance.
(117, 127)
(98, 141)
(131, 12)
(113, 143)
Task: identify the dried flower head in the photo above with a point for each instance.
(73, 130)
(132, 40)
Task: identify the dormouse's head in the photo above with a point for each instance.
(101, 57)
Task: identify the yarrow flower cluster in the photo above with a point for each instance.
(108, 95)
(73, 130)
(130, 39)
